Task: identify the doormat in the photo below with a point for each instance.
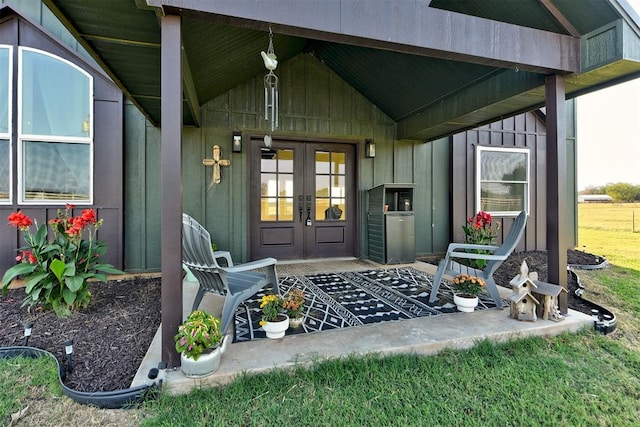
(341, 300)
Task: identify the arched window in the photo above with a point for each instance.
(5, 123)
(55, 130)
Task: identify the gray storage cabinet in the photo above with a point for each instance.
(391, 224)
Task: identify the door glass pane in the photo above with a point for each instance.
(337, 209)
(268, 209)
(322, 185)
(268, 160)
(337, 186)
(323, 164)
(56, 97)
(338, 161)
(4, 169)
(268, 184)
(285, 161)
(285, 187)
(56, 171)
(285, 209)
(4, 90)
(322, 209)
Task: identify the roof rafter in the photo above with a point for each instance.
(562, 20)
(408, 27)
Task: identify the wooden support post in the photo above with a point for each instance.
(171, 167)
(557, 239)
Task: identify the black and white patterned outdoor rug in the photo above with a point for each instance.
(340, 300)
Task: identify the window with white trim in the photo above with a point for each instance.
(5, 123)
(55, 131)
(502, 180)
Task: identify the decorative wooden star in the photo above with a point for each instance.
(216, 162)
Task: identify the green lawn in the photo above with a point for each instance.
(608, 229)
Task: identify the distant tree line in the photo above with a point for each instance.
(620, 191)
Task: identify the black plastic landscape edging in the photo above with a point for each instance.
(604, 320)
(117, 399)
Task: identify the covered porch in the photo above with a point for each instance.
(424, 335)
(454, 66)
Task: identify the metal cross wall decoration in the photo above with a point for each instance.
(216, 162)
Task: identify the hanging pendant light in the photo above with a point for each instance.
(270, 86)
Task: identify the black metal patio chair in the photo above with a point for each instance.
(235, 282)
(497, 254)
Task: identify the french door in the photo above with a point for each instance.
(302, 200)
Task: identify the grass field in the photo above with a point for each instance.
(607, 229)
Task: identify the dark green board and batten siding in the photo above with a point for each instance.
(314, 103)
(523, 131)
(24, 29)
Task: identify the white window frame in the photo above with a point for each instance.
(484, 149)
(7, 136)
(88, 140)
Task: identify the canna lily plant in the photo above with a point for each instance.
(56, 271)
(480, 230)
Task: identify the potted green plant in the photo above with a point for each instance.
(200, 343)
(274, 322)
(466, 289)
(293, 304)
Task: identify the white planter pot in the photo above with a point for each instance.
(296, 322)
(206, 364)
(276, 330)
(465, 304)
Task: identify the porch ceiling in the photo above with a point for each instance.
(479, 59)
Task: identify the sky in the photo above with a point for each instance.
(609, 133)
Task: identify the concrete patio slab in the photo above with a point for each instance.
(425, 336)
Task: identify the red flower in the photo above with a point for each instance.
(77, 225)
(89, 215)
(31, 257)
(27, 256)
(69, 206)
(19, 220)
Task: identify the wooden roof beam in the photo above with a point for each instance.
(469, 107)
(407, 27)
(190, 90)
(562, 20)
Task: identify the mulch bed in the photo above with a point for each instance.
(111, 337)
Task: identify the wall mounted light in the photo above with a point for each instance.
(236, 143)
(369, 148)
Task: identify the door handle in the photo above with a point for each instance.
(300, 203)
(308, 221)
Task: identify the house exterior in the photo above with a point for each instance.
(193, 78)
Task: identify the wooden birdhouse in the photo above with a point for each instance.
(524, 305)
(548, 293)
